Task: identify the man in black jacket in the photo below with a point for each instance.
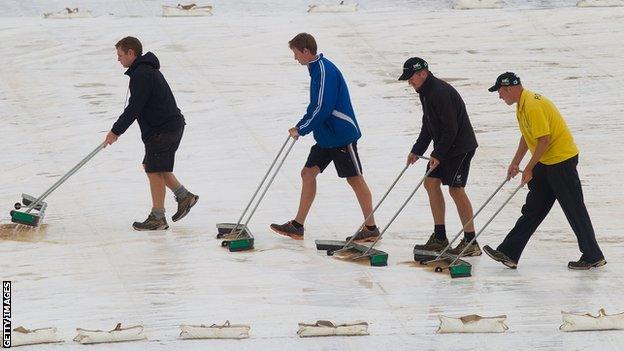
(152, 104)
(445, 122)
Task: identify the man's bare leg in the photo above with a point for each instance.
(157, 189)
(171, 181)
(156, 219)
(436, 199)
(364, 197)
(308, 192)
(464, 207)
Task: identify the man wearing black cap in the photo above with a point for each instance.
(550, 174)
(446, 123)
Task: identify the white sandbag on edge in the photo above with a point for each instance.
(22, 336)
(68, 13)
(581, 322)
(600, 3)
(342, 7)
(225, 331)
(190, 10)
(476, 4)
(328, 328)
(472, 324)
(118, 334)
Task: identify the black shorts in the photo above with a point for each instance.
(160, 150)
(346, 159)
(454, 171)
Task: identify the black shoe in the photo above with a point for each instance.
(473, 250)
(184, 206)
(288, 229)
(365, 235)
(582, 264)
(500, 257)
(433, 244)
(151, 223)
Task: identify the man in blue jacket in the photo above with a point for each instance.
(152, 104)
(331, 119)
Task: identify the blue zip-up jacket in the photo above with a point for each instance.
(330, 115)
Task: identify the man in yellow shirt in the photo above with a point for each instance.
(550, 174)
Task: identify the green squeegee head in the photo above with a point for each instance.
(461, 270)
(25, 218)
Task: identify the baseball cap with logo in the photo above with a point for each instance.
(411, 66)
(504, 80)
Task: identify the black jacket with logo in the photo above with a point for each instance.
(151, 101)
(445, 121)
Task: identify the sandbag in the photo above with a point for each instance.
(328, 328)
(342, 7)
(190, 10)
(476, 4)
(225, 331)
(22, 336)
(600, 3)
(472, 324)
(68, 13)
(580, 322)
(118, 334)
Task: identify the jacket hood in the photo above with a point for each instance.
(148, 59)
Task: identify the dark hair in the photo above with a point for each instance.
(303, 41)
(130, 43)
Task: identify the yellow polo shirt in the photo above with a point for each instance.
(537, 117)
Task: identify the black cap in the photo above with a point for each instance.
(412, 66)
(504, 80)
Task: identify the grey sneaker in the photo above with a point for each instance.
(433, 244)
(288, 229)
(184, 206)
(472, 250)
(500, 257)
(151, 223)
(582, 264)
(365, 235)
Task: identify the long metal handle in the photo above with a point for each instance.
(240, 219)
(471, 219)
(266, 188)
(376, 207)
(65, 177)
(398, 212)
(486, 224)
(350, 241)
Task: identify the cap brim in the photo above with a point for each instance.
(406, 75)
(494, 88)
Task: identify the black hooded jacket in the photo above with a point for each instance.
(151, 101)
(445, 121)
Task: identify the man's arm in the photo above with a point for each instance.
(323, 96)
(540, 149)
(423, 140)
(514, 166)
(541, 130)
(421, 144)
(140, 92)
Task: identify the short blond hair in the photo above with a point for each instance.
(130, 43)
(303, 41)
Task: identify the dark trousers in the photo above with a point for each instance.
(553, 182)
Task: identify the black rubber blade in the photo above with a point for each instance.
(326, 245)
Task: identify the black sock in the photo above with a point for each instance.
(439, 232)
(296, 224)
(371, 227)
(468, 236)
